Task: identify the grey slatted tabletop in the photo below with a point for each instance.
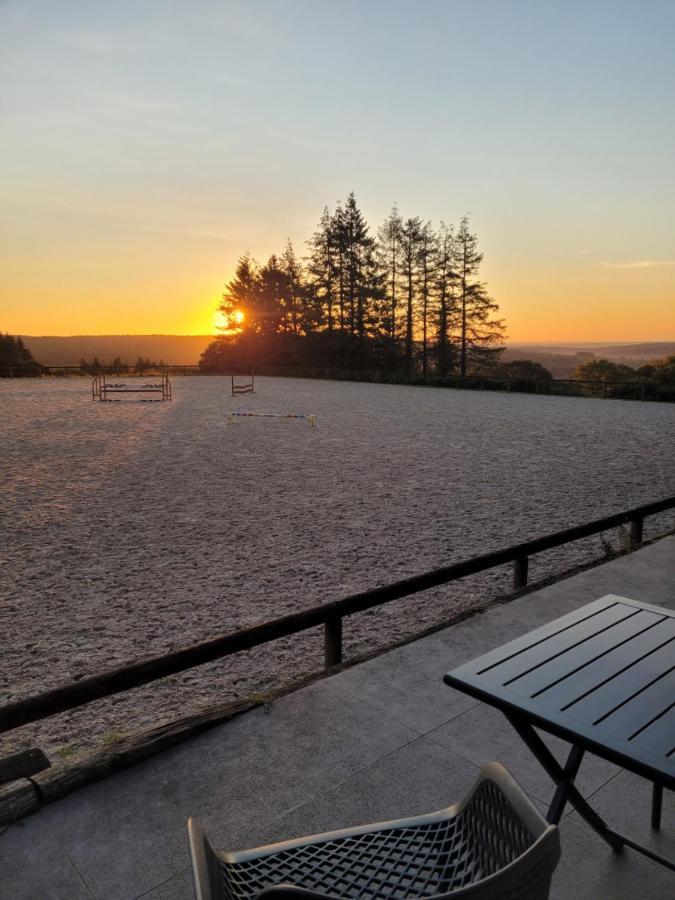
(602, 677)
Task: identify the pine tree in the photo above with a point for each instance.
(16, 358)
(427, 260)
(478, 332)
(389, 253)
(322, 269)
(294, 317)
(357, 244)
(413, 294)
(446, 283)
(271, 294)
(356, 274)
(411, 232)
(246, 295)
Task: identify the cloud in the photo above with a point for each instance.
(640, 264)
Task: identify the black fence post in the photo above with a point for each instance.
(636, 526)
(657, 800)
(521, 565)
(333, 641)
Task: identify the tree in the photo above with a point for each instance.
(358, 250)
(411, 235)
(427, 257)
(16, 358)
(143, 364)
(356, 276)
(389, 252)
(92, 368)
(296, 316)
(664, 371)
(247, 303)
(412, 298)
(526, 369)
(446, 283)
(478, 332)
(269, 299)
(603, 370)
(322, 269)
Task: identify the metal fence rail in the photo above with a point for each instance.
(330, 615)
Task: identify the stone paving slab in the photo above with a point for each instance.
(382, 739)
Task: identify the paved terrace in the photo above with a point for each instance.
(383, 739)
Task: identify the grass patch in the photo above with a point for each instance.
(113, 737)
(67, 751)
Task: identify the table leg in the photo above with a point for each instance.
(557, 806)
(563, 778)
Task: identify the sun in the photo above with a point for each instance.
(229, 324)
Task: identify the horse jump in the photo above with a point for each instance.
(111, 391)
(245, 388)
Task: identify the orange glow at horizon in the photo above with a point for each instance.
(576, 300)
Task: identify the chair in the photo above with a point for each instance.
(492, 845)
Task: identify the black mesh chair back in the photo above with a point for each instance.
(493, 845)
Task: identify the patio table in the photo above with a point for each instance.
(601, 678)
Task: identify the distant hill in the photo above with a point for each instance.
(561, 360)
(180, 349)
(651, 350)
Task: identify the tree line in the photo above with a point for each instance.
(15, 358)
(408, 298)
(607, 378)
(117, 367)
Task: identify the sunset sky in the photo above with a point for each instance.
(145, 146)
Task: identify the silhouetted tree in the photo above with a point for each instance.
(446, 283)
(660, 372)
(411, 236)
(427, 256)
(478, 332)
(143, 364)
(247, 295)
(295, 310)
(358, 256)
(15, 358)
(389, 257)
(95, 367)
(411, 300)
(321, 270)
(603, 370)
(526, 369)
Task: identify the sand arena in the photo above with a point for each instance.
(131, 529)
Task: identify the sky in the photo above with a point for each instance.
(145, 146)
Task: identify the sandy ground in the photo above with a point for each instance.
(130, 529)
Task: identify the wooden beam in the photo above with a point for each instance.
(22, 765)
(17, 800)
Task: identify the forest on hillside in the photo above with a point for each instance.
(15, 358)
(407, 299)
